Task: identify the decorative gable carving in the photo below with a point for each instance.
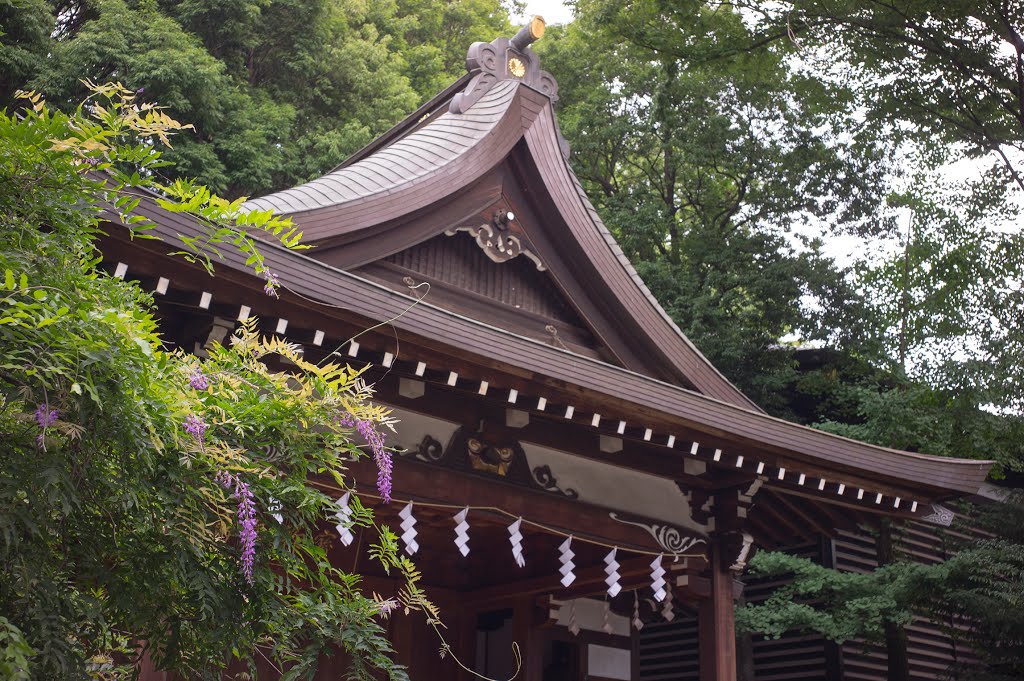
(505, 59)
(502, 239)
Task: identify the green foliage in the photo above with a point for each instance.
(710, 170)
(279, 91)
(115, 534)
(839, 605)
(939, 72)
(975, 596)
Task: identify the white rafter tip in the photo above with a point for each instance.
(421, 368)
(120, 270)
(739, 461)
(913, 507)
(388, 360)
(760, 468)
(896, 502)
(671, 442)
(513, 395)
(718, 455)
(483, 388)
(569, 411)
(161, 285)
(694, 447)
(318, 338)
(802, 479)
(647, 434)
(841, 490)
(782, 474)
(878, 499)
(821, 484)
(860, 494)
(353, 349)
(244, 312)
(622, 428)
(205, 300)
(595, 420)
(282, 326)
(542, 403)
(453, 378)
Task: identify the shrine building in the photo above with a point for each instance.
(611, 480)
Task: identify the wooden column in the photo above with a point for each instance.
(524, 634)
(717, 624)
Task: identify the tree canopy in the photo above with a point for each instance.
(279, 91)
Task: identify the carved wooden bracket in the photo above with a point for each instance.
(940, 515)
(669, 537)
(477, 452)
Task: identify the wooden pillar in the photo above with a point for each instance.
(717, 624)
(524, 634)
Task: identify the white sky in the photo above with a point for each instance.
(553, 11)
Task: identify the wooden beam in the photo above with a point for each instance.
(589, 580)
(419, 482)
(796, 509)
(866, 506)
(780, 518)
(546, 430)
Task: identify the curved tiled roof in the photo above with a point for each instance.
(423, 152)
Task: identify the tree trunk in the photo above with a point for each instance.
(895, 634)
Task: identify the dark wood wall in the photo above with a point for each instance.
(932, 650)
(668, 651)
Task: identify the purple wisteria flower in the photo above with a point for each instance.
(195, 427)
(197, 380)
(381, 456)
(270, 288)
(387, 606)
(45, 417)
(246, 519)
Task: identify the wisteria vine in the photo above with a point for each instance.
(381, 456)
(246, 519)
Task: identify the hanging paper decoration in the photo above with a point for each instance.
(574, 627)
(658, 579)
(566, 556)
(667, 610)
(638, 623)
(515, 538)
(274, 506)
(344, 518)
(607, 626)
(409, 529)
(462, 531)
(611, 568)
